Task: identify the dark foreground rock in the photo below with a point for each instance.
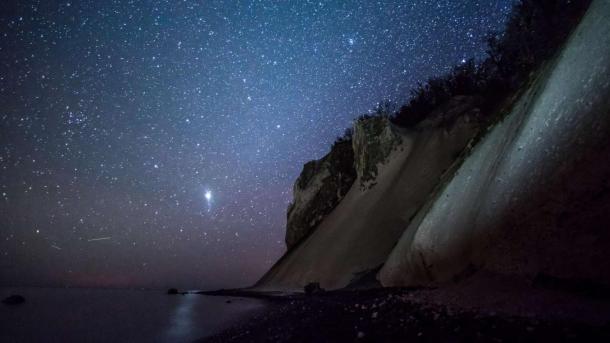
(172, 291)
(313, 288)
(389, 316)
(14, 299)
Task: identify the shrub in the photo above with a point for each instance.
(346, 137)
(534, 31)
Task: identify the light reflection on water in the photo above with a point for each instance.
(97, 315)
(182, 318)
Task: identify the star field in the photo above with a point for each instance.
(155, 143)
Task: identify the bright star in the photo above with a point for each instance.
(208, 195)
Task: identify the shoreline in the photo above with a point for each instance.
(398, 315)
(246, 293)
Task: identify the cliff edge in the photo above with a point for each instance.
(358, 234)
(520, 192)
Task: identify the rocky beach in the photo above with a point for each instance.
(396, 315)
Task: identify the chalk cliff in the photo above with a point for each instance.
(532, 197)
(526, 193)
(399, 169)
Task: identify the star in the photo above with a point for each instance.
(171, 96)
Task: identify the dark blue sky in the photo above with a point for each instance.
(116, 118)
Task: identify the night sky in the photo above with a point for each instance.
(155, 143)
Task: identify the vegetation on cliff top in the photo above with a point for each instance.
(533, 33)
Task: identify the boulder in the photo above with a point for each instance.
(14, 299)
(313, 288)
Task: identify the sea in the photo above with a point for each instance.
(112, 315)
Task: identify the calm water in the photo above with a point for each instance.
(97, 315)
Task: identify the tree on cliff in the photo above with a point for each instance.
(534, 31)
(346, 137)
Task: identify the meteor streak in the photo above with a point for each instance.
(99, 239)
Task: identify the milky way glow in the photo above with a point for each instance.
(171, 125)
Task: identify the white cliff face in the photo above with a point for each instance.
(360, 232)
(502, 210)
(531, 197)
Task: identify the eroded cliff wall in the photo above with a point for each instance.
(320, 187)
(532, 198)
(396, 171)
(526, 196)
